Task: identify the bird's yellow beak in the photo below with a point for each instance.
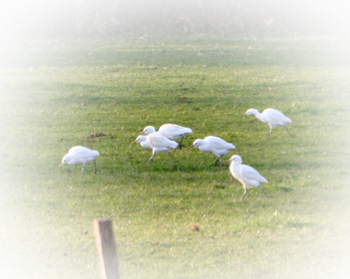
(191, 146)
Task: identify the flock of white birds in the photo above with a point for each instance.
(165, 138)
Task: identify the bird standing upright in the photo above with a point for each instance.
(245, 174)
(157, 143)
(214, 145)
(273, 117)
(79, 155)
(170, 131)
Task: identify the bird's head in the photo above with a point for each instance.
(235, 158)
(251, 111)
(148, 130)
(196, 143)
(139, 139)
(65, 160)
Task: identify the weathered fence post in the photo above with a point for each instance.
(107, 249)
(82, 17)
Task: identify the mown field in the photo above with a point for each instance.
(101, 93)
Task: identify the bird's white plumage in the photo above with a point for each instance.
(156, 142)
(248, 176)
(170, 131)
(272, 117)
(79, 155)
(214, 145)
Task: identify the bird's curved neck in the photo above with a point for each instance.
(68, 157)
(260, 116)
(202, 144)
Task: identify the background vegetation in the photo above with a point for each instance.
(100, 91)
(50, 18)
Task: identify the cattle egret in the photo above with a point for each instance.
(245, 174)
(79, 155)
(170, 131)
(214, 145)
(273, 117)
(157, 143)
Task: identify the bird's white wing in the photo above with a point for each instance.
(218, 143)
(247, 173)
(276, 117)
(83, 152)
(78, 150)
(172, 130)
(158, 141)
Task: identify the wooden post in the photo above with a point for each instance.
(107, 249)
(82, 17)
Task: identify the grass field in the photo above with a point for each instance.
(56, 94)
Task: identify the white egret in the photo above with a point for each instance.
(214, 145)
(170, 131)
(273, 117)
(246, 174)
(157, 143)
(79, 155)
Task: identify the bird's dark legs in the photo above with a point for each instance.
(172, 157)
(95, 166)
(263, 191)
(180, 145)
(151, 159)
(270, 132)
(283, 126)
(287, 130)
(245, 192)
(217, 160)
(154, 153)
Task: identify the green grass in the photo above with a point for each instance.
(55, 95)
